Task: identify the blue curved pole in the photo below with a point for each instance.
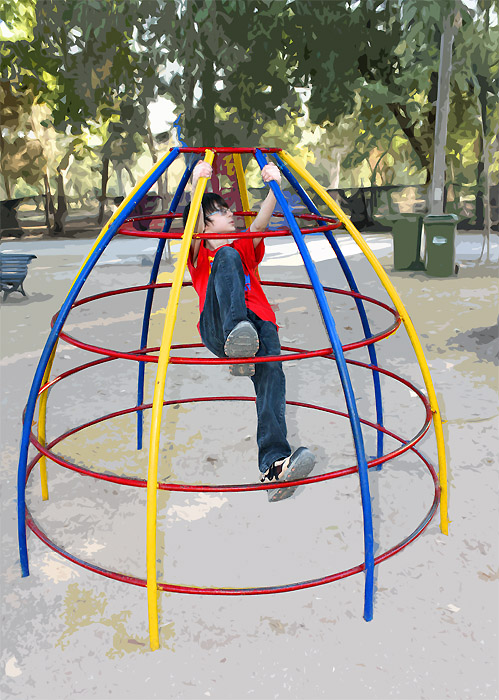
(347, 390)
(51, 341)
(150, 296)
(353, 286)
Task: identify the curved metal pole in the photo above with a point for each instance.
(150, 296)
(157, 408)
(42, 424)
(353, 286)
(406, 320)
(98, 248)
(347, 390)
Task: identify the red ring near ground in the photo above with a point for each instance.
(143, 356)
(34, 527)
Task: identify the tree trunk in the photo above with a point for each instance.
(5, 176)
(208, 102)
(49, 205)
(334, 167)
(408, 129)
(479, 210)
(481, 155)
(130, 175)
(7, 186)
(62, 207)
(118, 169)
(154, 155)
(103, 196)
(436, 203)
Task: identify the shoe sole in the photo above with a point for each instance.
(242, 341)
(300, 468)
(246, 370)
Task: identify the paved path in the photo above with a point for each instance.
(70, 633)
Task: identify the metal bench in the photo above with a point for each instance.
(13, 271)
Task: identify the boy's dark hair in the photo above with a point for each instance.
(210, 203)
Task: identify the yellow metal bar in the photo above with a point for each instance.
(42, 425)
(157, 407)
(241, 181)
(411, 332)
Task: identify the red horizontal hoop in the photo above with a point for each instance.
(143, 355)
(226, 149)
(128, 230)
(233, 235)
(262, 590)
(141, 483)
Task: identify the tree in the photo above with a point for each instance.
(451, 23)
(477, 84)
(81, 61)
(381, 52)
(225, 55)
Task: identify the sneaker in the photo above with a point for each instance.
(297, 466)
(242, 341)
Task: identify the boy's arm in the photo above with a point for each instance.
(269, 172)
(201, 169)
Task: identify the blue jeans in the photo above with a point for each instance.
(224, 308)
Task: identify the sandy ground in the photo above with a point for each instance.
(68, 633)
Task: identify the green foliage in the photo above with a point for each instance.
(227, 56)
(77, 78)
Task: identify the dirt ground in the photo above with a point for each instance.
(67, 632)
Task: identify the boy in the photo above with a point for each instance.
(236, 320)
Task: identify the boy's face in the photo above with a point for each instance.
(221, 221)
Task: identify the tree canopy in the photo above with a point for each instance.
(351, 85)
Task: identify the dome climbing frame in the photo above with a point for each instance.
(122, 222)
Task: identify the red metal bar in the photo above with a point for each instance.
(167, 486)
(262, 590)
(144, 354)
(307, 216)
(332, 223)
(177, 235)
(170, 215)
(226, 149)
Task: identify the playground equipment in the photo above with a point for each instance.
(316, 222)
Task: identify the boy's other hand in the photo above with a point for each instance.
(202, 169)
(271, 172)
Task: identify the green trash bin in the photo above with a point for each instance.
(440, 232)
(406, 232)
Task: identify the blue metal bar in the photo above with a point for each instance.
(353, 286)
(150, 296)
(51, 341)
(347, 390)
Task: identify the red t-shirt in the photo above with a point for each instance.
(250, 257)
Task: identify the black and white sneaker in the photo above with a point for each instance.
(242, 341)
(297, 466)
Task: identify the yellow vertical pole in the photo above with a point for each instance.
(241, 181)
(157, 408)
(409, 326)
(42, 425)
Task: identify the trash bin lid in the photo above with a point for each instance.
(437, 218)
